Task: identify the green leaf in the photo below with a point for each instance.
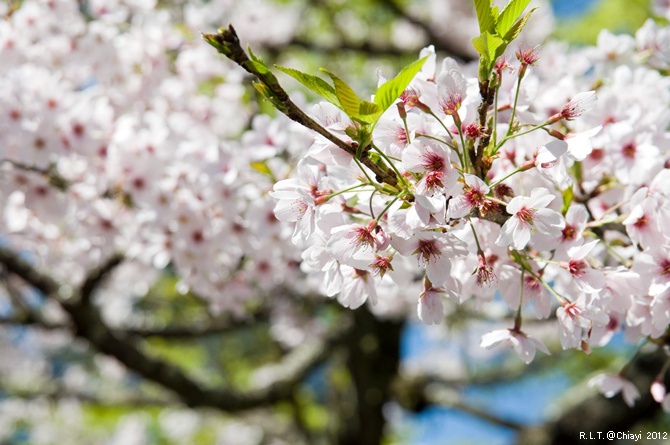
(269, 95)
(487, 45)
(568, 194)
(263, 89)
(262, 167)
(369, 108)
(258, 63)
(368, 112)
(348, 99)
(254, 57)
(314, 83)
(388, 93)
(258, 67)
(510, 13)
(515, 30)
(485, 15)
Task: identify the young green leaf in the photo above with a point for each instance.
(254, 57)
(258, 67)
(387, 94)
(314, 83)
(487, 45)
(485, 15)
(347, 97)
(267, 93)
(257, 63)
(568, 194)
(510, 13)
(515, 30)
(262, 167)
(368, 112)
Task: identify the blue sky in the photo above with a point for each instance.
(524, 401)
(565, 9)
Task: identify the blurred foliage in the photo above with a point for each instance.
(618, 16)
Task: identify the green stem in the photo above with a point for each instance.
(516, 135)
(461, 155)
(383, 212)
(391, 163)
(551, 290)
(506, 177)
(404, 121)
(616, 255)
(372, 212)
(472, 227)
(516, 101)
(460, 134)
(517, 318)
(427, 136)
(332, 195)
(363, 170)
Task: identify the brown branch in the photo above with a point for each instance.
(26, 319)
(126, 349)
(50, 173)
(27, 314)
(344, 46)
(96, 276)
(60, 393)
(420, 391)
(227, 43)
(187, 332)
(174, 332)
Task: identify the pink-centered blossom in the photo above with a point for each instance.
(297, 200)
(588, 279)
(473, 196)
(452, 89)
(432, 160)
(529, 215)
(578, 105)
(643, 223)
(347, 240)
(576, 322)
(434, 251)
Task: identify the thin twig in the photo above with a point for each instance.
(227, 43)
(126, 349)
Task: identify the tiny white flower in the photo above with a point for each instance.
(611, 385)
(523, 345)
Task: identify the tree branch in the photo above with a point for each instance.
(417, 392)
(436, 40)
(597, 413)
(126, 349)
(227, 43)
(363, 47)
(60, 393)
(96, 276)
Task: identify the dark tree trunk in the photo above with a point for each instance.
(374, 355)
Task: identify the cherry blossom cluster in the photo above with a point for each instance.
(118, 138)
(120, 133)
(549, 193)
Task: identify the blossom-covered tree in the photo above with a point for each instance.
(236, 263)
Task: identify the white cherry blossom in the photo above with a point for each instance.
(530, 214)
